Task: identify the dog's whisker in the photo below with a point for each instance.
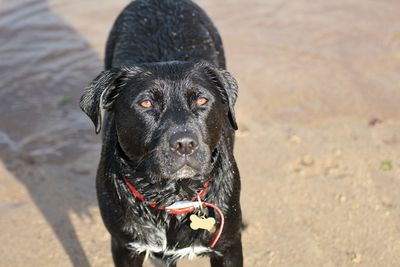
(144, 157)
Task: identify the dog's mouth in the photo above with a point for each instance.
(185, 170)
(183, 184)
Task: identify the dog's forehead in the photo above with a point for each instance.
(166, 78)
(172, 86)
(165, 74)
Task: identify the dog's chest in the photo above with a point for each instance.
(172, 253)
(158, 240)
(156, 244)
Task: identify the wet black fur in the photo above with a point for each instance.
(172, 47)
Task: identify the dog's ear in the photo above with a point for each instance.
(226, 85)
(100, 94)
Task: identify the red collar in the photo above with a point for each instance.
(154, 204)
(188, 207)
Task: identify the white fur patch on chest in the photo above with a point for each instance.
(155, 241)
(190, 252)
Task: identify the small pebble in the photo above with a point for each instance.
(307, 160)
(356, 258)
(295, 139)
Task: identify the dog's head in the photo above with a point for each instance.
(169, 117)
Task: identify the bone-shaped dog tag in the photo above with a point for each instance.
(201, 223)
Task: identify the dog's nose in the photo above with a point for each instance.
(183, 143)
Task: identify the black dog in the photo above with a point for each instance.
(167, 157)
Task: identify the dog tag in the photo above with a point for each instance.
(198, 222)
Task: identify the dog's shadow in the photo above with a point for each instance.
(45, 141)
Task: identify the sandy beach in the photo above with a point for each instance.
(318, 145)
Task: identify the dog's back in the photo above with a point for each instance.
(163, 30)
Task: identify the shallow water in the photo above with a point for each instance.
(44, 65)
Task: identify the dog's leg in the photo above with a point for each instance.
(232, 256)
(123, 257)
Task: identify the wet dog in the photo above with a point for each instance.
(166, 106)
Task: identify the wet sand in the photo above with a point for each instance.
(318, 146)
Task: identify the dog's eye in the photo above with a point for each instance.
(146, 104)
(201, 101)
